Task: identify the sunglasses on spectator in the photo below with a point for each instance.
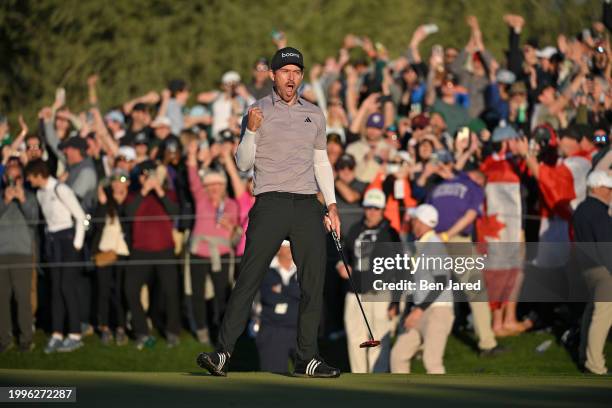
(371, 208)
(600, 138)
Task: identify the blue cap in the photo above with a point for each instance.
(504, 132)
(115, 116)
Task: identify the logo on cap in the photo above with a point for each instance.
(289, 54)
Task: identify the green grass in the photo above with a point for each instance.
(522, 359)
(118, 389)
(160, 377)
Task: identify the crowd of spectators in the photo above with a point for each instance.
(135, 218)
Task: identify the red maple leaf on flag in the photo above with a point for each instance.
(488, 226)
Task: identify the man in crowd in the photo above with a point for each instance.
(593, 231)
(430, 319)
(153, 207)
(18, 246)
(373, 228)
(65, 221)
(280, 299)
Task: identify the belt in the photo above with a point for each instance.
(289, 196)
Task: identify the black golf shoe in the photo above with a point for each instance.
(315, 368)
(215, 363)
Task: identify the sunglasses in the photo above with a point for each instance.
(369, 207)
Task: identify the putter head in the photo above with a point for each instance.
(370, 343)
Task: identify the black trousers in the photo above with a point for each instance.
(65, 277)
(110, 293)
(147, 267)
(199, 269)
(273, 218)
(15, 280)
(276, 346)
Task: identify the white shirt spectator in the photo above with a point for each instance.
(62, 210)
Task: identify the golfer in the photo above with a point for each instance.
(284, 140)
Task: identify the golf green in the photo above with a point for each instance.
(155, 389)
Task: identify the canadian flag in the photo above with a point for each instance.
(562, 188)
(498, 230)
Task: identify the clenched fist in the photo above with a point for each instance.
(255, 118)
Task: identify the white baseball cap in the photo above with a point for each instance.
(426, 213)
(230, 77)
(599, 178)
(161, 121)
(546, 52)
(128, 152)
(374, 198)
(285, 243)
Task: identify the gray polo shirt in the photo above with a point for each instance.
(285, 142)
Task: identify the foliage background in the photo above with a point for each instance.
(138, 45)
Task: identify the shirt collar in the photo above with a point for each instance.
(426, 236)
(51, 183)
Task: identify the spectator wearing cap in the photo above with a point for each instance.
(126, 159)
(229, 105)
(371, 150)
(64, 237)
(111, 251)
(215, 233)
(140, 121)
(176, 180)
(372, 228)
(162, 130)
(152, 250)
(429, 321)
(242, 185)
(280, 301)
(141, 147)
(18, 222)
(592, 223)
(82, 177)
(260, 85)
(115, 122)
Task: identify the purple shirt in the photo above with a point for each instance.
(453, 198)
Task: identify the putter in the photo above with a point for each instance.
(371, 342)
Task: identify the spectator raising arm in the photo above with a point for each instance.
(150, 98)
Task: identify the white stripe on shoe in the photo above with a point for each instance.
(221, 360)
(318, 363)
(309, 366)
